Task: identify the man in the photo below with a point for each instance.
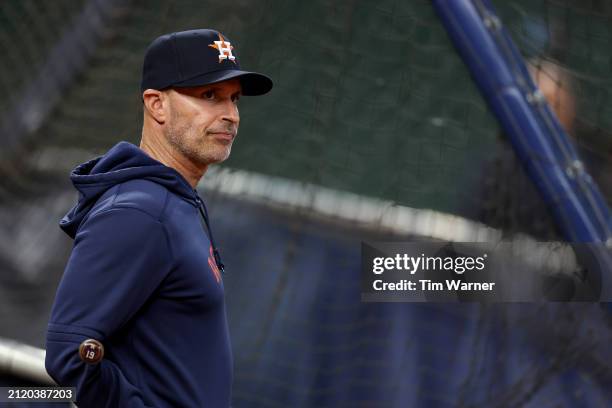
(139, 316)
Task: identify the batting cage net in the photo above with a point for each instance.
(374, 130)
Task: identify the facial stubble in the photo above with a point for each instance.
(195, 144)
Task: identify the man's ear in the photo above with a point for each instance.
(156, 104)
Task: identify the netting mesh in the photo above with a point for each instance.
(563, 43)
(30, 29)
(358, 88)
(369, 99)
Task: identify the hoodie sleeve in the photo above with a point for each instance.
(119, 258)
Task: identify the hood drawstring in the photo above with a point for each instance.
(204, 214)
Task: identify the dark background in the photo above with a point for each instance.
(370, 102)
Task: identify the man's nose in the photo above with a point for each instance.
(230, 112)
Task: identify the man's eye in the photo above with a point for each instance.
(235, 98)
(208, 95)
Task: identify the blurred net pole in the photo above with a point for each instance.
(23, 361)
(534, 131)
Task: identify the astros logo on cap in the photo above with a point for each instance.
(224, 48)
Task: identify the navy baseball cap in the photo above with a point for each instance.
(194, 58)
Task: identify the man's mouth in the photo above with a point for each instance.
(229, 136)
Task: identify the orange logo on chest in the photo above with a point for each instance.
(213, 265)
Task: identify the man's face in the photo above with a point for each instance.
(203, 121)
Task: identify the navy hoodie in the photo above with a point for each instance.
(141, 279)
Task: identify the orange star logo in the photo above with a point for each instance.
(224, 48)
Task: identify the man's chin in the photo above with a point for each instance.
(215, 157)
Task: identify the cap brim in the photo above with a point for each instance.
(252, 83)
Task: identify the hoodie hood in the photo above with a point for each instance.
(121, 163)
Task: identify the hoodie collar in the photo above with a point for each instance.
(121, 163)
